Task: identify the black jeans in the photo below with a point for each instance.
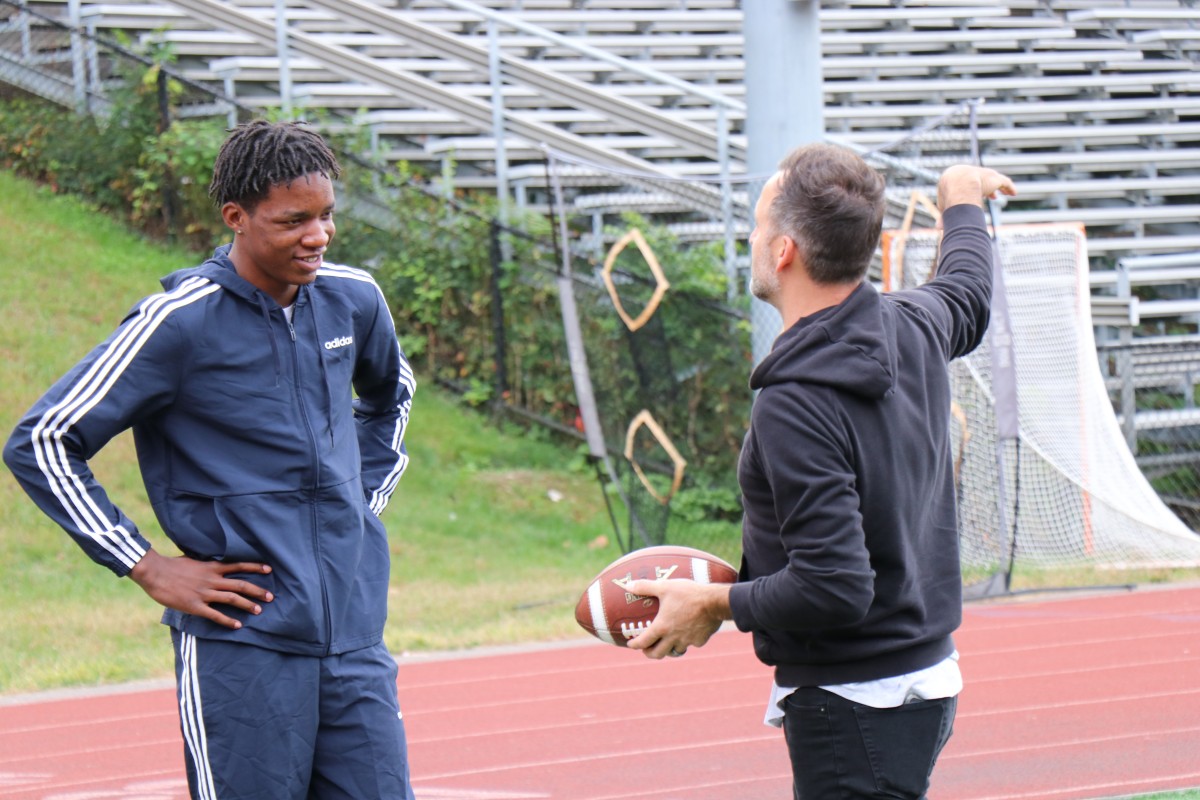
(842, 750)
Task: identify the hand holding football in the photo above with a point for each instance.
(612, 614)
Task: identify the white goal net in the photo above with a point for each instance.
(1067, 490)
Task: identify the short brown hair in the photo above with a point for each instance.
(831, 204)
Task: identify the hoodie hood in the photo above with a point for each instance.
(847, 347)
(220, 270)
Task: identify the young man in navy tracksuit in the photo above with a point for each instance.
(850, 575)
(268, 399)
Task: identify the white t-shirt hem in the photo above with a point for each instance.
(943, 679)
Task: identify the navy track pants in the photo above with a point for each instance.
(263, 725)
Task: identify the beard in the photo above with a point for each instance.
(764, 282)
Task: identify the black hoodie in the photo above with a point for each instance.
(850, 567)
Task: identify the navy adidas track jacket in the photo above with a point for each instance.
(250, 443)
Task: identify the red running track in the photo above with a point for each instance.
(1068, 696)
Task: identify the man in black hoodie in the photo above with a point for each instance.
(850, 577)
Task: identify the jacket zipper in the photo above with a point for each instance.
(312, 499)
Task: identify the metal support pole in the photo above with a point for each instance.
(78, 71)
(496, 77)
(26, 36)
(577, 356)
(1125, 365)
(731, 287)
(231, 116)
(499, 337)
(93, 60)
(281, 48)
(784, 106)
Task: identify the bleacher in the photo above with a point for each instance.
(1094, 107)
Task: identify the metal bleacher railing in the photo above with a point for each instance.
(656, 88)
(1165, 363)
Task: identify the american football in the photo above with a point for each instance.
(613, 615)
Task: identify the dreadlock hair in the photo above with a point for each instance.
(260, 154)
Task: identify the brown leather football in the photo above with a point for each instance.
(613, 615)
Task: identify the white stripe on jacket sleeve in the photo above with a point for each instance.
(381, 495)
(85, 394)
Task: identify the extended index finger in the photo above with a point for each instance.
(1001, 183)
(642, 588)
(241, 586)
(242, 566)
